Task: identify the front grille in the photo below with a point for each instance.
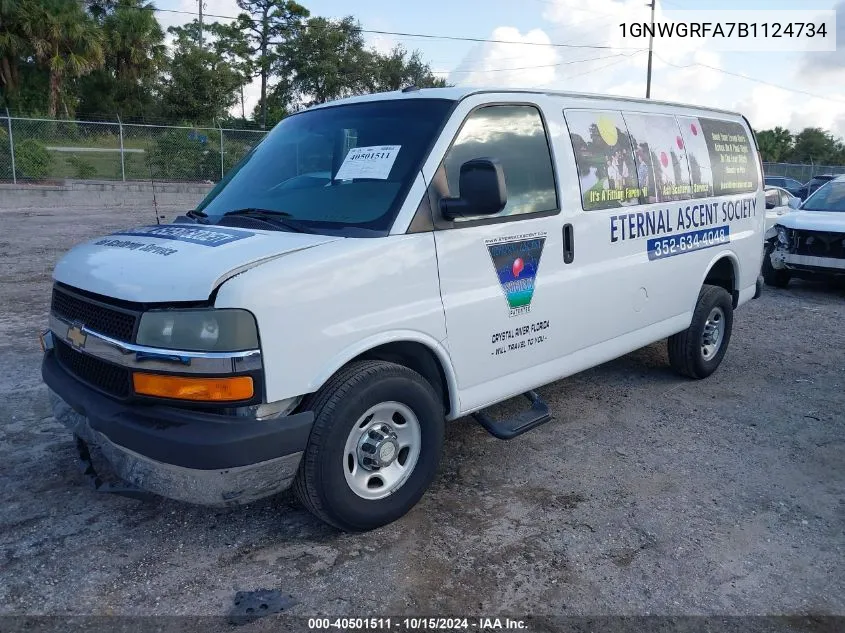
(95, 315)
(819, 244)
(111, 379)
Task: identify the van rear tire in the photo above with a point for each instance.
(698, 351)
(370, 410)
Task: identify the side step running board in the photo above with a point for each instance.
(525, 421)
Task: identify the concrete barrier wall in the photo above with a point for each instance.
(169, 196)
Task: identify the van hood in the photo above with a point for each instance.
(830, 221)
(173, 262)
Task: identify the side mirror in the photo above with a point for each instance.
(772, 199)
(482, 187)
(794, 202)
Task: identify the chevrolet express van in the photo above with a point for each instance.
(379, 265)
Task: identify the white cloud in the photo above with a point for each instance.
(683, 70)
(823, 67)
(382, 43)
(622, 71)
(517, 65)
(768, 106)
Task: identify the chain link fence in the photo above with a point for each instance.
(800, 172)
(44, 150)
(38, 150)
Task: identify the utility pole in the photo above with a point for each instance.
(200, 3)
(650, 51)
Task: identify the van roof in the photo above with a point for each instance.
(458, 93)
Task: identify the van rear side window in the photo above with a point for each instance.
(733, 157)
(632, 158)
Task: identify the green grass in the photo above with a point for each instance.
(105, 166)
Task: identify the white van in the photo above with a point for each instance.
(381, 264)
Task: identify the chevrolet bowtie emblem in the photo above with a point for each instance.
(76, 336)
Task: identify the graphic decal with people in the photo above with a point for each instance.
(661, 158)
(606, 166)
(638, 158)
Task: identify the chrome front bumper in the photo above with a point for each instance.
(219, 487)
(788, 259)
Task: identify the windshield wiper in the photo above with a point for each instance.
(199, 216)
(278, 218)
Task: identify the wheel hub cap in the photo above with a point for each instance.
(378, 447)
(711, 337)
(382, 450)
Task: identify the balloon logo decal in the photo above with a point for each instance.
(664, 159)
(680, 142)
(607, 130)
(694, 128)
(516, 262)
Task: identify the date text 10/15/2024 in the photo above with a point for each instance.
(417, 624)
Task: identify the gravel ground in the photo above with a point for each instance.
(649, 493)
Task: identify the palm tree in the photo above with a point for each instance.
(12, 44)
(66, 43)
(134, 40)
(135, 55)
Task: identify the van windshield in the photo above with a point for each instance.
(342, 169)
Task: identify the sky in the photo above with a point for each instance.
(815, 80)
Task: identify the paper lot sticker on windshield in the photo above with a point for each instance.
(516, 260)
(374, 161)
(212, 236)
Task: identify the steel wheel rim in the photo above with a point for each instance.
(713, 334)
(405, 437)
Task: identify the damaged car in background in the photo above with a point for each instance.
(810, 241)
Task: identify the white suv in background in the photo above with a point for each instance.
(809, 241)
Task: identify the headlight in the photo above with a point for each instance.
(225, 330)
(783, 235)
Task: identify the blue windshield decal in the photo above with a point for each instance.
(216, 236)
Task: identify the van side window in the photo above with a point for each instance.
(732, 156)
(607, 170)
(661, 155)
(698, 156)
(515, 135)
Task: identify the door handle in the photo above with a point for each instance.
(568, 244)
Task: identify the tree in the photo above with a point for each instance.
(326, 60)
(12, 44)
(135, 54)
(815, 145)
(99, 9)
(230, 43)
(201, 85)
(394, 72)
(775, 145)
(267, 24)
(66, 42)
(278, 105)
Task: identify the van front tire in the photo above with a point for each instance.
(374, 448)
(697, 351)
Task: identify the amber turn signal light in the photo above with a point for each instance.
(197, 389)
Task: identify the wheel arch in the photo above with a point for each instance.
(414, 350)
(723, 271)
